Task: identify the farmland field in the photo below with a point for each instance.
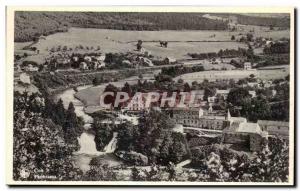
(123, 41)
(91, 96)
(234, 74)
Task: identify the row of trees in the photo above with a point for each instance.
(278, 48)
(179, 70)
(227, 53)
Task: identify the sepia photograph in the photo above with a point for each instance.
(150, 96)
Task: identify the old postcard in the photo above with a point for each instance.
(150, 96)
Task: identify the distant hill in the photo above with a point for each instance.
(30, 25)
(259, 19)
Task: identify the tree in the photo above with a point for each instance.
(100, 172)
(272, 163)
(249, 37)
(237, 96)
(41, 68)
(208, 92)
(136, 175)
(127, 88)
(96, 81)
(60, 113)
(140, 76)
(103, 134)
(72, 127)
(139, 45)
(39, 144)
(256, 109)
(65, 48)
(128, 136)
(187, 87)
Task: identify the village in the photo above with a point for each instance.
(209, 119)
(145, 101)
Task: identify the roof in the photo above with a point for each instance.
(275, 123)
(243, 127)
(197, 92)
(249, 128)
(238, 119)
(222, 91)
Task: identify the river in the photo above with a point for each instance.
(86, 140)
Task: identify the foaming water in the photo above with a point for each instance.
(88, 145)
(112, 145)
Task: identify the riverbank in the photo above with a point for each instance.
(87, 150)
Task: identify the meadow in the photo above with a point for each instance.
(234, 74)
(124, 41)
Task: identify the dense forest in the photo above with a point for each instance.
(262, 19)
(29, 25)
(283, 22)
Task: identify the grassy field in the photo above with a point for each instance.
(121, 41)
(234, 74)
(91, 96)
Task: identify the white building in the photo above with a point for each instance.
(223, 93)
(25, 78)
(212, 99)
(87, 58)
(252, 93)
(146, 61)
(100, 58)
(31, 68)
(83, 66)
(247, 66)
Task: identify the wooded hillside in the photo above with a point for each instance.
(29, 25)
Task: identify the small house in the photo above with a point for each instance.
(212, 99)
(83, 66)
(87, 59)
(247, 66)
(169, 60)
(223, 93)
(31, 68)
(100, 58)
(252, 93)
(146, 61)
(24, 78)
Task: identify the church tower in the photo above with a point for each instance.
(228, 116)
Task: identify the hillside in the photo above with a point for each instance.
(29, 25)
(281, 20)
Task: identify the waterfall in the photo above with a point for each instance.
(87, 144)
(111, 146)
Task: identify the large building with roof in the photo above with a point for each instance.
(235, 130)
(198, 117)
(245, 134)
